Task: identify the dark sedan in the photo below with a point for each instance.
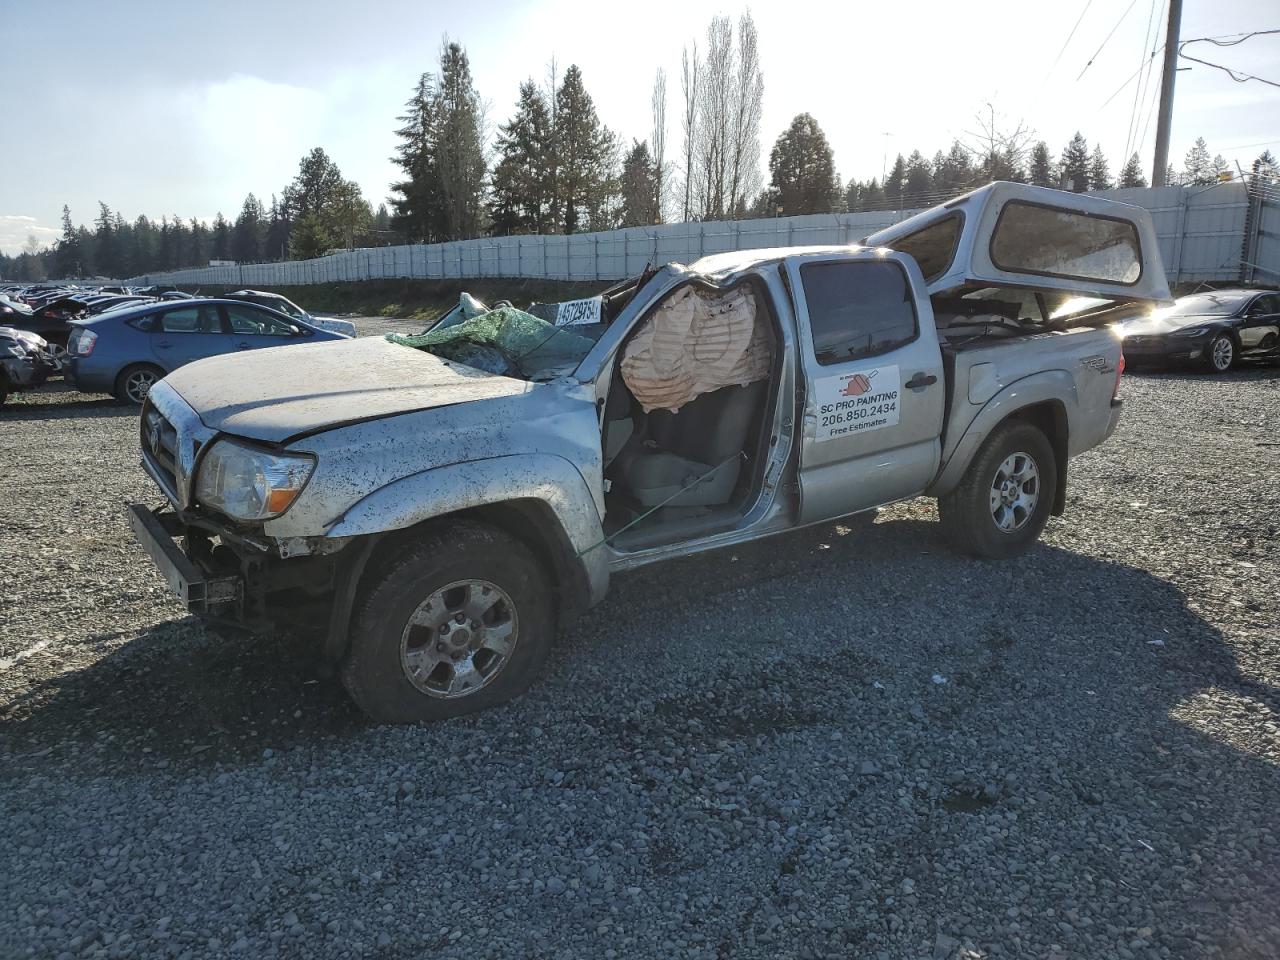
(1214, 329)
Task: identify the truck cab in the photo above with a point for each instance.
(437, 506)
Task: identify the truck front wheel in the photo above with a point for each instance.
(459, 620)
(1004, 500)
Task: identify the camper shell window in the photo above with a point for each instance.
(1048, 241)
(934, 246)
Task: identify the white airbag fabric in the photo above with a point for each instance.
(694, 343)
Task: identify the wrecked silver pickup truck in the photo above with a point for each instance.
(438, 520)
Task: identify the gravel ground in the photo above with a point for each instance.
(833, 744)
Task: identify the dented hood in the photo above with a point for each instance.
(279, 393)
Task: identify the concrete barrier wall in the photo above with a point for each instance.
(1201, 231)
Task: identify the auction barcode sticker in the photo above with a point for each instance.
(857, 402)
(574, 313)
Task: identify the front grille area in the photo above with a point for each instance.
(160, 449)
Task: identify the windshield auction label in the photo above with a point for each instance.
(857, 402)
(574, 313)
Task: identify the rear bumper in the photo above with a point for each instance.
(199, 593)
(25, 374)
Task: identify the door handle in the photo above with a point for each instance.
(163, 344)
(921, 380)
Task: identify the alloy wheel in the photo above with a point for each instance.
(459, 639)
(139, 384)
(1015, 490)
(1223, 353)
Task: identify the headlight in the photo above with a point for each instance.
(15, 350)
(246, 483)
(1191, 332)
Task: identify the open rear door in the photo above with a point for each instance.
(1017, 235)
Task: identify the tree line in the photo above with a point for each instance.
(553, 167)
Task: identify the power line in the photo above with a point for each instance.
(1061, 51)
(1137, 90)
(1239, 76)
(1108, 37)
(1063, 48)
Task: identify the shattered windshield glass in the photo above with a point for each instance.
(505, 341)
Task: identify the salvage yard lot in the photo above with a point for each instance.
(841, 742)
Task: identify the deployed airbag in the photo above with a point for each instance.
(696, 342)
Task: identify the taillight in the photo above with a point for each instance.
(1115, 392)
(83, 342)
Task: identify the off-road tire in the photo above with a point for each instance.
(967, 520)
(372, 670)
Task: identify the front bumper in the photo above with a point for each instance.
(245, 581)
(199, 592)
(1164, 350)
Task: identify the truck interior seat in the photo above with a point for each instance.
(679, 448)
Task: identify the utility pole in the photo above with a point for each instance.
(1165, 120)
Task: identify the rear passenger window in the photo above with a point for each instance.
(191, 320)
(858, 309)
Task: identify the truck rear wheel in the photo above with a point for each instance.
(1004, 500)
(458, 621)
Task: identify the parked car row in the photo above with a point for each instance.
(121, 340)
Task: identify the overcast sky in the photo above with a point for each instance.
(164, 107)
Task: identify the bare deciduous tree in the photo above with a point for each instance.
(717, 118)
(722, 148)
(690, 84)
(745, 148)
(658, 140)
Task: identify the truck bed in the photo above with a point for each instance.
(1083, 361)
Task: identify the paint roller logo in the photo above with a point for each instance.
(858, 384)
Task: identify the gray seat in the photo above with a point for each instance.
(681, 447)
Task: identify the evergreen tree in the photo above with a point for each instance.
(919, 183)
(68, 256)
(221, 244)
(873, 196)
(415, 201)
(246, 240)
(1131, 174)
(180, 242)
(1221, 169)
(382, 219)
(1041, 172)
(802, 171)
(459, 147)
(309, 238)
(313, 189)
(276, 245)
(1075, 164)
(348, 215)
(1099, 171)
(584, 158)
(105, 241)
(639, 187)
(198, 253)
(853, 196)
(1265, 170)
(521, 199)
(1198, 168)
(954, 173)
(895, 183)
